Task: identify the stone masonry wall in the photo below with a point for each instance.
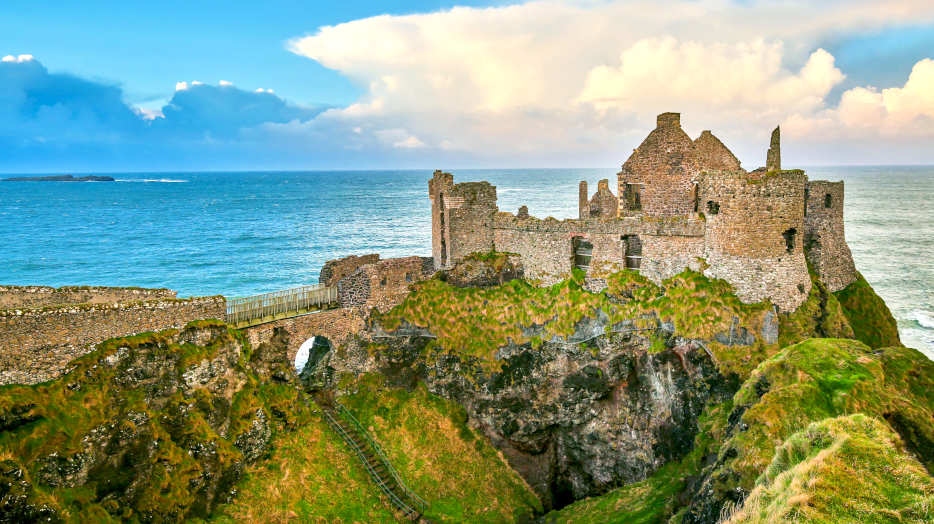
(755, 227)
(335, 270)
(461, 218)
(546, 246)
(38, 296)
(664, 163)
(384, 284)
(337, 325)
(824, 240)
(36, 344)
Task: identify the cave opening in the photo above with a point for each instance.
(562, 493)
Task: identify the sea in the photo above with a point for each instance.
(245, 233)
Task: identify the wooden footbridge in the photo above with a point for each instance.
(269, 307)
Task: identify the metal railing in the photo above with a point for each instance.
(258, 306)
(379, 451)
(335, 425)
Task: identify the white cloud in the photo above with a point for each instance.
(18, 59)
(226, 83)
(399, 138)
(181, 86)
(580, 77)
(196, 83)
(148, 114)
(261, 90)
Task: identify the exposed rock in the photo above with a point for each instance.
(484, 270)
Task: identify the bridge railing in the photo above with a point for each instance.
(258, 306)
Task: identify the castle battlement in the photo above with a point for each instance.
(680, 203)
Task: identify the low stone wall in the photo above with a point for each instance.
(336, 270)
(39, 296)
(36, 344)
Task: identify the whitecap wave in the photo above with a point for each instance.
(924, 318)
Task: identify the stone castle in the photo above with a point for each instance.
(680, 203)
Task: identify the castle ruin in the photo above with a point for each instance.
(680, 203)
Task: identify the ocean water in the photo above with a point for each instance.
(239, 234)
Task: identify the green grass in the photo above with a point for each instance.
(313, 477)
(873, 323)
(819, 379)
(476, 322)
(849, 469)
(95, 397)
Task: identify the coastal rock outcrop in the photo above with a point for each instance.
(152, 428)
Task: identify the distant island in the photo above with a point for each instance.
(60, 178)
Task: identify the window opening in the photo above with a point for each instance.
(807, 193)
(790, 240)
(632, 251)
(634, 197)
(713, 207)
(583, 251)
(828, 200)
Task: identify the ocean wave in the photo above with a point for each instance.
(924, 318)
(169, 180)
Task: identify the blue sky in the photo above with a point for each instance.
(104, 86)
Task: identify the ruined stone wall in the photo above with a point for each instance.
(546, 246)
(755, 233)
(471, 210)
(664, 164)
(335, 270)
(36, 344)
(337, 325)
(462, 218)
(384, 284)
(824, 240)
(38, 296)
(604, 203)
(712, 155)
(440, 185)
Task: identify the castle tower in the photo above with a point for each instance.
(773, 160)
(462, 218)
(583, 204)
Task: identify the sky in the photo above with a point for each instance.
(98, 86)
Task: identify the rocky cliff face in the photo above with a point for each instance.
(152, 428)
(575, 419)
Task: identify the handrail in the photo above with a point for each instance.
(257, 306)
(375, 476)
(379, 451)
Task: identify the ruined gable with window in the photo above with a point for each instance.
(681, 203)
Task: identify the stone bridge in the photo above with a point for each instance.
(337, 325)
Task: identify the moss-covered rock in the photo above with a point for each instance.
(872, 322)
(807, 383)
(848, 469)
(156, 427)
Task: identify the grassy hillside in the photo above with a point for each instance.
(826, 430)
(312, 476)
(873, 323)
(849, 469)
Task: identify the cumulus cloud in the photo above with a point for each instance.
(570, 78)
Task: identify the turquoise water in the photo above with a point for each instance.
(239, 234)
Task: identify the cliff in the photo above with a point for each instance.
(602, 398)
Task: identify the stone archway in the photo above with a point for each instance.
(284, 338)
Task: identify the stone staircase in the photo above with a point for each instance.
(374, 461)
